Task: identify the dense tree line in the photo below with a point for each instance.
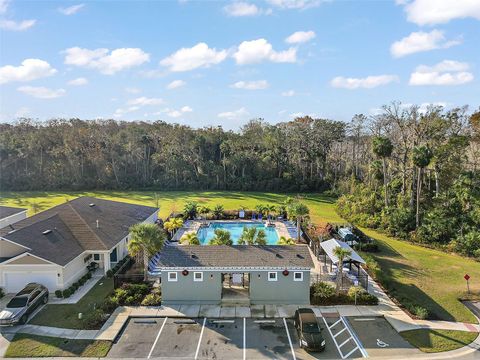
(414, 173)
(107, 154)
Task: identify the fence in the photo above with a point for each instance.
(346, 283)
(121, 276)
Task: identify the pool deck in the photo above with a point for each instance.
(283, 228)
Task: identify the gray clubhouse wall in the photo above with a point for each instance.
(187, 291)
(282, 291)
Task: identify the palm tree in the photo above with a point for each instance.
(248, 236)
(261, 238)
(218, 211)
(341, 254)
(190, 238)
(422, 155)
(222, 237)
(299, 211)
(269, 208)
(284, 241)
(190, 209)
(383, 147)
(172, 225)
(145, 241)
(204, 211)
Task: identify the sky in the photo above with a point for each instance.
(204, 63)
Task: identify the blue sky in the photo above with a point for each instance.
(221, 63)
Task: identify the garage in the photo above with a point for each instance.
(16, 280)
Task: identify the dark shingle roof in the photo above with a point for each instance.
(74, 229)
(6, 211)
(277, 256)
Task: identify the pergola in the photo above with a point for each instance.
(328, 248)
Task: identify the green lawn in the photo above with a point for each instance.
(26, 345)
(66, 315)
(432, 341)
(431, 278)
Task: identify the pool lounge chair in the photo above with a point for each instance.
(260, 217)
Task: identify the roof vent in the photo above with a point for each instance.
(279, 256)
(300, 256)
(46, 232)
(98, 224)
(91, 205)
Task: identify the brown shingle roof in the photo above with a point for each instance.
(268, 256)
(74, 228)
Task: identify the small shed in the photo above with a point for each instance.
(327, 251)
(347, 235)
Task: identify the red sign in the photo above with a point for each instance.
(466, 277)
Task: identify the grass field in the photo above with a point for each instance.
(26, 345)
(432, 341)
(432, 278)
(66, 315)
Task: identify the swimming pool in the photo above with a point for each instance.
(205, 234)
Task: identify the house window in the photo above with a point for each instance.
(272, 276)
(96, 257)
(198, 276)
(298, 276)
(172, 276)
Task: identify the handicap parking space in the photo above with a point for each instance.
(267, 339)
(379, 338)
(222, 339)
(343, 337)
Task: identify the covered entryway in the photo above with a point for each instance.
(236, 288)
(16, 280)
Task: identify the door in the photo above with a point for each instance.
(16, 281)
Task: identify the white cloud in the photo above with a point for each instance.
(256, 51)
(300, 37)
(288, 93)
(30, 69)
(104, 61)
(132, 90)
(251, 85)
(3, 6)
(431, 12)
(177, 113)
(175, 84)
(295, 4)
(78, 81)
(186, 109)
(71, 9)
(367, 83)
(41, 92)
(13, 25)
(235, 114)
(122, 111)
(187, 59)
(447, 72)
(143, 101)
(421, 41)
(297, 115)
(240, 8)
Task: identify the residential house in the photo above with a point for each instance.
(11, 215)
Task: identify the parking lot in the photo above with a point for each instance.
(239, 338)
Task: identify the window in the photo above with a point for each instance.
(198, 276)
(272, 276)
(172, 276)
(298, 276)
(96, 257)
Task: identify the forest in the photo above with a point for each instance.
(412, 171)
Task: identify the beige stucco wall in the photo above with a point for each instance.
(73, 270)
(9, 249)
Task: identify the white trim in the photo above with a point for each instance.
(295, 274)
(272, 279)
(201, 276)
(170, 279)
(6, 262)
(233, 268)
(18, 213)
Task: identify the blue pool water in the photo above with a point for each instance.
(207, 233)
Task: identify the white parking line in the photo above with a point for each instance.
(355, 338)
(200, 340)
(333, 337)
(244, 338)
(289, 339)
(156, 339)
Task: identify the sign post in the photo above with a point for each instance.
(467, 277)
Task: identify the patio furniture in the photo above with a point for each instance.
(92, 266)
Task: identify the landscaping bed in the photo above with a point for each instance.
(323, 293)
(432, 341)
(27, 345)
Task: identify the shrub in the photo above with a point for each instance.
(323, 290)
(89, 275)
(81, 281)
(109, 273)
(420, 312)
(2, 293)
(75, 285)
(152, 300)
(58, 294)
(94, 319)
(67, 293)
(369, 247)
(324, 294)
(72, 289)
(110, 304)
